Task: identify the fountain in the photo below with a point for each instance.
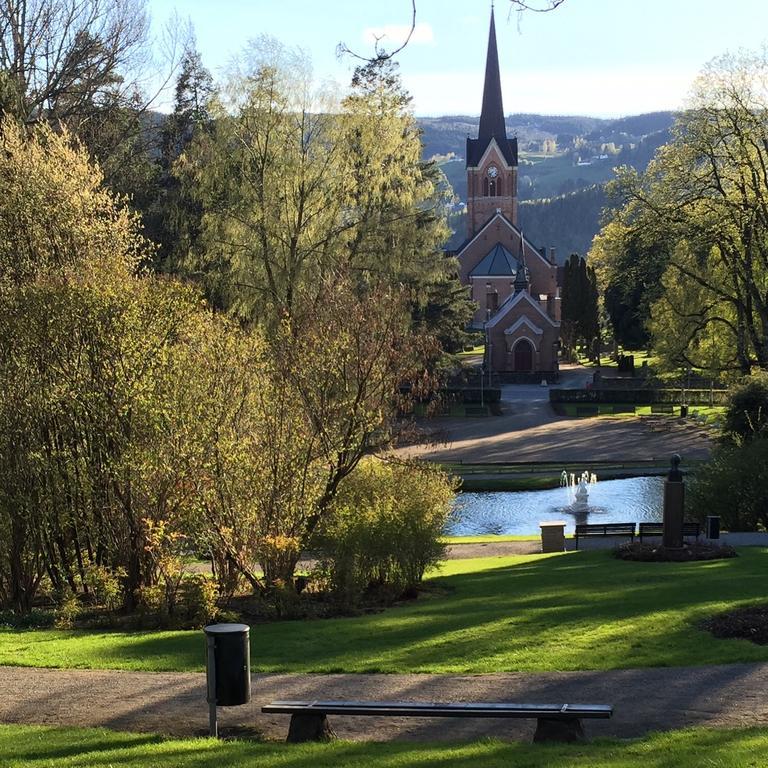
(520, 512)
(578, 492)
(581, 500)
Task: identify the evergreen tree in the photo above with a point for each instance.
(178, 208)
(580, 323)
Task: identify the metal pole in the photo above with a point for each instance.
(213, 726)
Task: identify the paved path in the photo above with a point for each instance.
(529, 430)
(644, 700)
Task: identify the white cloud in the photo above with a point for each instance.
(393, 35)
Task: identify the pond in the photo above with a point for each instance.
(633, 499)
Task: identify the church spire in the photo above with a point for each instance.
(492, 114)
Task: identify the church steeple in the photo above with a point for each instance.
(492, 113)
(491, 157)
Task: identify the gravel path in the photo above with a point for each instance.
(644, 700)
(530, 430)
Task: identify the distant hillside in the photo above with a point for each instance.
(564, 164)
(448, 134)
(567, 223)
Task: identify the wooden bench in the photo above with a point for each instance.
(657, 529)
(662, 408)
(588, 530)
(555, 722)
(587, 410)
(623, 409)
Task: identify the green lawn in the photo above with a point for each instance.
(606, 361)
(46, 747)
(491, 538)
(583, 610)
(511, 482)
(606, 409)
(476, 351)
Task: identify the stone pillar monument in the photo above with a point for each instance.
(674, 503)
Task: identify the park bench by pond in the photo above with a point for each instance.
(657, 529)
(662, 408)
(555, 722)
(588, 530)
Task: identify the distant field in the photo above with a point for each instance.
(549, 172)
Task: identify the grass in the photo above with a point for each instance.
(486, 539)
(575, 611)
(44, 747)
(476, 351)
(510, 483)
(606, 361)
(711, 414)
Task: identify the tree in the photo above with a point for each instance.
(580, 313)
(177, 211)
(295, 186)
(87, 366)
(63, 58)
(278, 444)
(191, 107)
(629, 262)
(707, 192)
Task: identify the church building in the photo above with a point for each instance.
(513, 283)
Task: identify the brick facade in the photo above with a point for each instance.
(513, 284)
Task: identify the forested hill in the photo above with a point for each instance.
(564, 163)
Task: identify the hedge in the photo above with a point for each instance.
(638, 396)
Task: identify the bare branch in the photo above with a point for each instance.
(381, 54)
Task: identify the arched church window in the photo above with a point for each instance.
(485, 187)
(492, 188)
(498, 188)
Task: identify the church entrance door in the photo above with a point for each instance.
(523, 356)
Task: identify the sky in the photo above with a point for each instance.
(604, 58)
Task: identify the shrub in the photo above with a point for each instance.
(67, 612)
(197, 600)
(106, 584)
(385, 529)
(734, 485)
(36, 618)
(746, 415)
(188, 603)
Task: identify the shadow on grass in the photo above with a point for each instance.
(99, 749)
(583, 610)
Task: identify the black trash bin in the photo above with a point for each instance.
(713, 527)
(683, 411)
(228, 664)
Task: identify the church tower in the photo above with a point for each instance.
(491, 157)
